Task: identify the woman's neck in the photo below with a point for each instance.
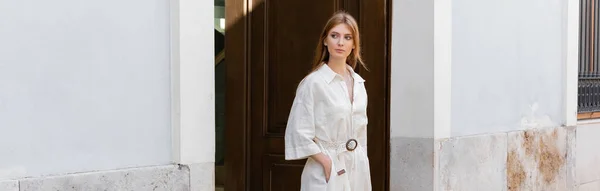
(338, 66)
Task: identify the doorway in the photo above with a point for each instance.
(220, 86)
(270, 44)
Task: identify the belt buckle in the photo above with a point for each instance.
(351, 144)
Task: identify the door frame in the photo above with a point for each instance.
(237, 132)
(237, 104)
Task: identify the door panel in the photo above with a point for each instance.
(283, 38)
(278, 39)
(374, 23)
(281, 174)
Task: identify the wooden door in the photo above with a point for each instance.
(269, 46)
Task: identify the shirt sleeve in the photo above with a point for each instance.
(300, 130)
(362, 136)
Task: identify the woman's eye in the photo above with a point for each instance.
(348, 37)
(333, 36)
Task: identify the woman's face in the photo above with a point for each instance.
(339, 41)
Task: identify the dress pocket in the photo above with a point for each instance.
(332, 173)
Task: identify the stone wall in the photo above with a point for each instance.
(561, 158)
(167, 178)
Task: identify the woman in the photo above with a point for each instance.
(328, 119)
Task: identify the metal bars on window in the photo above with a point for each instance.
(589, 68)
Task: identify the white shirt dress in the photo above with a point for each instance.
(323, 119)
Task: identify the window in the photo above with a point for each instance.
(589, 69)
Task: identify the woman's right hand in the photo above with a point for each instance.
(327, 168)
(325, 162)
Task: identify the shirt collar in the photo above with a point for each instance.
(328, 74)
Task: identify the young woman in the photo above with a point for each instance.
(328, 119)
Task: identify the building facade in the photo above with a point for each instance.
(122, 95)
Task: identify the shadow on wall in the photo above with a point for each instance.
(220, 85)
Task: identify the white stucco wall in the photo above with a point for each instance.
(412, 108)
(84, 86)
(193, 81)
(412, 75)
(507, 65)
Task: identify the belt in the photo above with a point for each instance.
(349, 145)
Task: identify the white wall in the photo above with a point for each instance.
(507, 71)
(193, 82)
(412, 69)
(84, 85)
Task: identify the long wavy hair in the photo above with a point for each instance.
(322, 54)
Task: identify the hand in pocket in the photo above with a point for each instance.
(327, 168)
(325, 162)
